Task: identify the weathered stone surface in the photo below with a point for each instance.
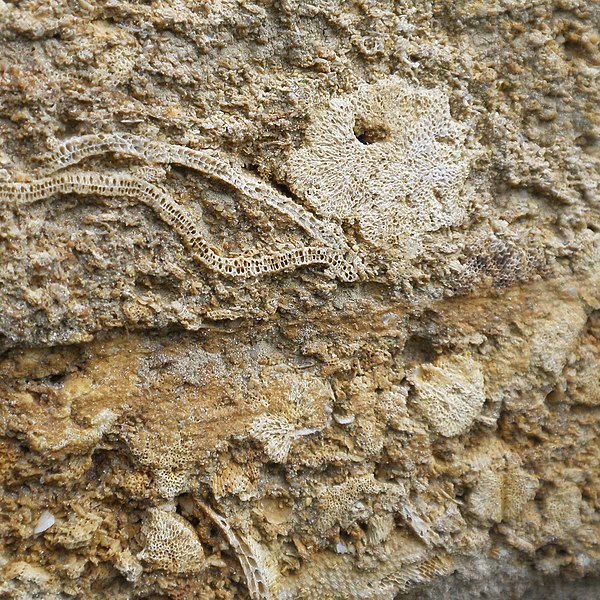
(299, 299)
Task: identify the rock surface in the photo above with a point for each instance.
(299, 299)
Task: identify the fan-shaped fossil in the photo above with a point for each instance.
(390, 155)
(171, 543)
(450, 393)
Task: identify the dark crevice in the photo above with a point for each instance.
(370, 134)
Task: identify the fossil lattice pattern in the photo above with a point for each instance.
(248, 553)
(328, 253)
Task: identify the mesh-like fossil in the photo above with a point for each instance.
(328, 250)
(303, 412)
(501, 486)
(209, 163)
(171, 543)
(331, 576)
(450, 393)
(390, 155)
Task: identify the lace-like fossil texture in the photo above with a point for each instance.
(328, 251)
(389, 155)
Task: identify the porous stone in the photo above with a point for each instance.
(299, 299)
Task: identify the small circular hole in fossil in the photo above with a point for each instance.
(370, 133)
(56, 379)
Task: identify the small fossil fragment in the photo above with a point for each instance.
(450, 393)
(171, 543)
(45, 521)
(259, 577)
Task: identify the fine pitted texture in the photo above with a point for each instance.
(389, 155)
(171, 543)
(299, 300)
(450, 393)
